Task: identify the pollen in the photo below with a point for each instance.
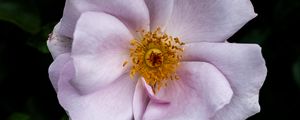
(155, 56)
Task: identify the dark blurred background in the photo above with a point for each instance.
(27, 94)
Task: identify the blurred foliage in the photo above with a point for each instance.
(65, 117)
(36, 40)
(27, 94)
(26, 15)
(22, 13)
(296, 71)
(257, 36)
(19, 116)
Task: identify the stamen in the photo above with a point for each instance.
(125, 63)
(155, 57)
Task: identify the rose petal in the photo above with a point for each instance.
(160, 11)
(244, 67)
(240, 108)
(208, 20)
(113, 102)
(151, 94)
(140, 101)
(201, 91)
(57, 43)
(133, 13)
(101, 45)
(55, 68)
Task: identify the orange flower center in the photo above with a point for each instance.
(155, 57)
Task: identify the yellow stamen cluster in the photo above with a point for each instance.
(155, 56)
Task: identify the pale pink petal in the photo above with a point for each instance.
(208, 20)
(243, 66)
(160, 11)
(201, 91)
(140, 101)
(55, 68)
(100, 47)
(133, 13)
(240, 108)
(57, 43)
(153, 96)
(113, 102)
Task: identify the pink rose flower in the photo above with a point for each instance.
(155, 60)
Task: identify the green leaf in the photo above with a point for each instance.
(296, 72)
(21, 13)
(19, 116)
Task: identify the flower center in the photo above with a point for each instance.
(155, 56)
